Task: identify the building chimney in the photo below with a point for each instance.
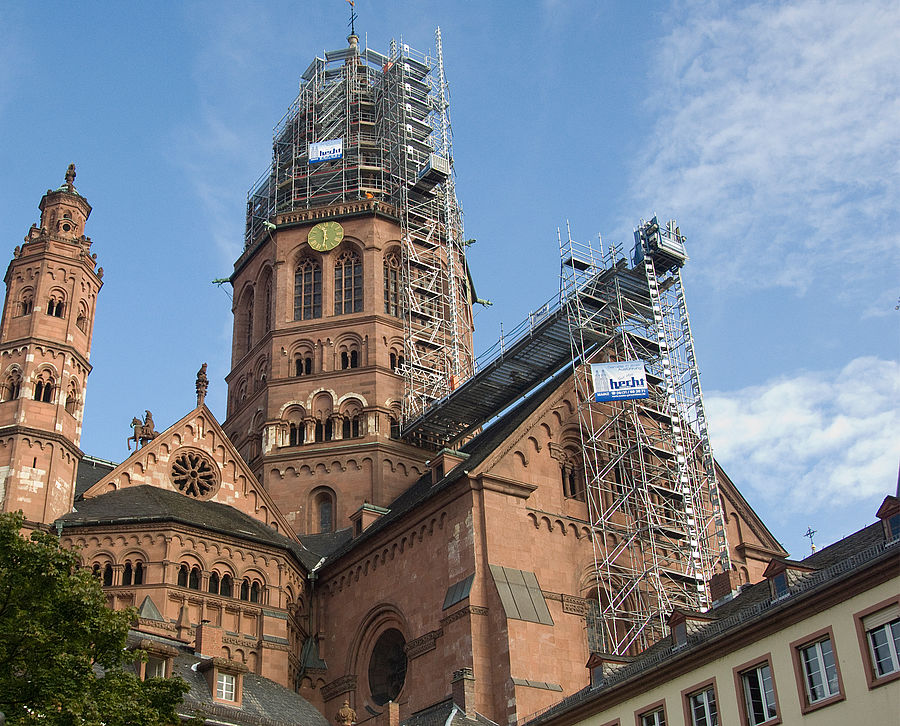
(209, 640)
(723, 584)
(463, 684)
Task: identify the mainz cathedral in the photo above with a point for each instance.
(380, 529)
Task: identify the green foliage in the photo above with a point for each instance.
(61, 648)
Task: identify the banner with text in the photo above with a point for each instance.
(326, 150)
(619, 381)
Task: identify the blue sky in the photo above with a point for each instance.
(769, 130)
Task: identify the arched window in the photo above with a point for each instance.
(226, 588)
(12, 387)
(267, 319)
(254, 591)
(329, 430)
(108, 575)
(349, 359)
(127, 574)
(194, 579)
(56, 306)
(392, 284)
(303, 365)
(183, 576)
(308, 290)
(43, 388)
(26, 302)
(347, 283)
(95, 571)
(297, 434)
(71, 398)
(323, 511)
(320, 431)
(214, 583)
(138, 573)
(345, 428)
(248, 320)
(245, 589)
(395, 427)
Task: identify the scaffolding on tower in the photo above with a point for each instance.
(650, 481)
(391, 116)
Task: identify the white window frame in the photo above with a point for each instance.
(891, 645)
(829, 685)
(226, 687)
(656, 717)
(155, 668)
(762, 674)
(706, 701)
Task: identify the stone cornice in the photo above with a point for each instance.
(510, 487)
(17, 429)
(30, 340)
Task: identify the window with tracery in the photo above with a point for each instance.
(349, 359)
(11, 387)
(193, 473)
(392, 284)
(308, 290)
(296, 434)
(347, 284)
(56, 306)
(303, 365)
(43, 388)
(71, 398)
(26, 302)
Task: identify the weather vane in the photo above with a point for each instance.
(353, 16)
(809, 533)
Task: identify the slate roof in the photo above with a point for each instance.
(144, 504)
(90, 471)
(478, 449)
(445, 713)
(328, 542)
(753, 603)
(264, 702)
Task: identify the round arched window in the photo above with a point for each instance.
(387, 666)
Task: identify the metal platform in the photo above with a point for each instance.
(519, 362)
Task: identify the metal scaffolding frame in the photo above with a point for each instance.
(650, 484)
(392, 113)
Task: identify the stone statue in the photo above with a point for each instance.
(70, 176)
(345, 716)
(202, 385)
(143, 431)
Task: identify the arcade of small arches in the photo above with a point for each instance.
(249, 588)
(55, 306)
(43, 389)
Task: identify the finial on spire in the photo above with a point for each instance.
(202, 385)
(352, 23)
(810, 532)
(70, 177)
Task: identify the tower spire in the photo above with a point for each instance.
(352, 22)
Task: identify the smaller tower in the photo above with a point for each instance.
(45, 343)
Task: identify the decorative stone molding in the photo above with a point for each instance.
(344, 684)
(423, 644)
(194, 473)
(463, 612)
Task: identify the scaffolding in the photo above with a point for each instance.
(650, 482)
(391, 113)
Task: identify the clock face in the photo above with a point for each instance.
(325, 236)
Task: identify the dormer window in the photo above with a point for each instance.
(224, 678)
(226, 687)
(780, 584)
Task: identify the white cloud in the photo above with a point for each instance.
(777, 139)
(816, 442)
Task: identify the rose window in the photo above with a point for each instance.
(195, 474)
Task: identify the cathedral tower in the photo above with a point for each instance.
(45, 343)
(352, 301)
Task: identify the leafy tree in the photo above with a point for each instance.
(61, 648)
